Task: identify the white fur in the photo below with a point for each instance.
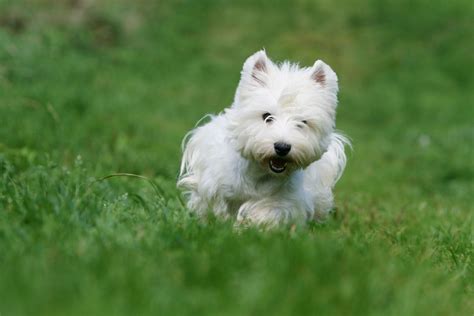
(225, 165)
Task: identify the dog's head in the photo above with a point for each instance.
(283, 115)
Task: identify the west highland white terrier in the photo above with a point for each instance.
(272, 157)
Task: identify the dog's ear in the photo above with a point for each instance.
(256, 68)
(324, 76)
(254, 75)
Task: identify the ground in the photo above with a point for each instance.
(93, 88)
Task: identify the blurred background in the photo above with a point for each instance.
(116, 84)
(120, 82)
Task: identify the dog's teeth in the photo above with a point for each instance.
(278, 166)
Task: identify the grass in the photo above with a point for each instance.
(93, 88)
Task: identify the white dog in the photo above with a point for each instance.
(273, 156)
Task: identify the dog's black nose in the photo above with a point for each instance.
(282, 149)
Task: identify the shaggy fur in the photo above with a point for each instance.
(272, 157)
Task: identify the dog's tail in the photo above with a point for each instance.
(328, 170)
(186, 177)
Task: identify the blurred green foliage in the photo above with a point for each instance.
(89, 88)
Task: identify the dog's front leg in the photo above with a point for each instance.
(272, 211)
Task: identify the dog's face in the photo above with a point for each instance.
(283, 115)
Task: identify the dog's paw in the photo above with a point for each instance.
(269, 213)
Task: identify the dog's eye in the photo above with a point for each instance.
(266, 117)
(304, 122)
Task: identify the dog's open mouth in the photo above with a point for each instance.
(277, 165)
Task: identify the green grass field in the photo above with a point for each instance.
(93, 88)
